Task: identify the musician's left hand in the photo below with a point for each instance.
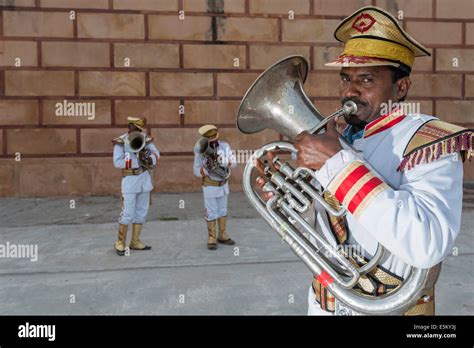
(145, 159)
(315, 149)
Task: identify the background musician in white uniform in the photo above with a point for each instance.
(136, 184)
(215, 188)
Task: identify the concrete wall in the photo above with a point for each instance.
(190, 62)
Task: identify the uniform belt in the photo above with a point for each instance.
(136, 171)
(424, 306)
(206, 181)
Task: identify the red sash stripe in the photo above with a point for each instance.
(355, 187)
(350, 181)
(363, 193)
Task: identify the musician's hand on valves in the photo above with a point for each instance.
(263, 178)
(144, 158)
(315, 149)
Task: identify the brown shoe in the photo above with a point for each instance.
(226, 242)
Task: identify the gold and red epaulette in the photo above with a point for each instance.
(435, 139)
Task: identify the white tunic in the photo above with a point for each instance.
(414, 214)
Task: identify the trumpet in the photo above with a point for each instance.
(277, 100)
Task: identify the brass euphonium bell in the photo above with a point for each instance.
(276, 100)
(135, 141)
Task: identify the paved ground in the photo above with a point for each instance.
(78, 272)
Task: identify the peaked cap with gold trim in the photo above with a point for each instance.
(139, 122)
(209, 131)
(373, 37)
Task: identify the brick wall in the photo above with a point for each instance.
(188, 62)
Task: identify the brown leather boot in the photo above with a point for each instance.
(136, 243)
(223, 237)
(121, 240)
(212, 234)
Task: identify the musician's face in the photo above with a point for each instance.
(370, 88)
(133, 128)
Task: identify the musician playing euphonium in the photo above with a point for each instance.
(411, 201)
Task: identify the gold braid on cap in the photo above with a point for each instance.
(373, 32)
(379, 49)
(140, 122)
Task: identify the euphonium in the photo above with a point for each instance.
(276, 100)
(211, 162)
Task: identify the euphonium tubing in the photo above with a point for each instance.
(396, 302)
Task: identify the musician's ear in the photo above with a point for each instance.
(403, 85)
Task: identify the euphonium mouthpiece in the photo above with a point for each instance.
(349, 108)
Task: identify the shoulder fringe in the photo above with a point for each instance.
(458, 142)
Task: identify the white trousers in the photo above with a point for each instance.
(215, 207)
(313, 306)
(134, 208)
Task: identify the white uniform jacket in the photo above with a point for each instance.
(227, 158)
(129, 160)
(404, 195)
